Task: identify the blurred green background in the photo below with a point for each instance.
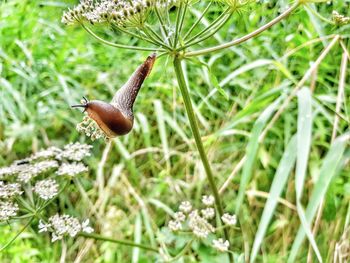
(45, 67)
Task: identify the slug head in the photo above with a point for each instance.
(109, 119)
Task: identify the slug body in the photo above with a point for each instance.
(117, 118)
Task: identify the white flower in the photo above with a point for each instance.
(64, 225)
(208, 200)
(46, 189)
(179, 216)
(43, 227)
(72, 169)
(9, 190)
(86, 226)
(7, 210)
(199, 225)
(228, 219)
(174, 225)
(221, 245)
(75, 151)
(27, 171)
(48, 153)
(185, 207)
(208, 213)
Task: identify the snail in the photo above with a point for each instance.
(115, 118)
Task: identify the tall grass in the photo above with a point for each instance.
(269, 113)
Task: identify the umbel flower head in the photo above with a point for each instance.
(200, 222)
(40, 176)
(64, 225)
(119, 12)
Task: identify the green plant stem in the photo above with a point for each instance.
(115, 44)
(177, 24)
(195, 130)
(17, 235)
(246, 37)
(212, 25)
(183, 251)
(118, 241)
(155, 37)
(205, 37)
(198, 20)
(165, 31)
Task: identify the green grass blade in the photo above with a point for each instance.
(304, 134)
(327, 172)
(284, 168)
(137, 238)
(252, 149)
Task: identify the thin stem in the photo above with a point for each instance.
(205, 37)
(182, 252)
(115, 44)
(177, 24)
(135, 35)
(118, 241)
(157, 40)
(246, 37)
(17, 235)
(319, 16)
(195, 130)
(163, 27)
(183, 17)
(198, 20)
(213, 24)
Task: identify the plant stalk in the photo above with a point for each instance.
(118, 241)
(195, 130)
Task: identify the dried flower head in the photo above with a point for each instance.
(46, 189)
(221, 245)
(120, 13)
(340, 19)
(90, 128)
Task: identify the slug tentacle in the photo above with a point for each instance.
(115, 118)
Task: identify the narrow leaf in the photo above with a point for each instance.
(279, 181)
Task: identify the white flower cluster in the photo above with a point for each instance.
(64, 225)
(44, 165)
(8, 209)
(46, 189)
(75, 151)
(221, 245)
(119, 12)
(9, 190)
(72, 169)
(198, 222)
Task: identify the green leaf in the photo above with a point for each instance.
(252, 149)
(304, 133)
(284, 168)
(327, 173)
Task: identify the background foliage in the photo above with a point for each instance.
(46, 67)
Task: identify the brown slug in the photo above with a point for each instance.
(117, 118)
